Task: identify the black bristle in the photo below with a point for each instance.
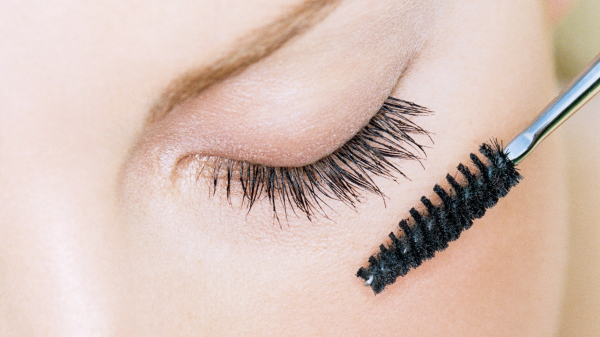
(437, 237)
(409, 255)
(431, 232)
(450, 226)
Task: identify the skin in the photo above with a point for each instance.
(103, 233)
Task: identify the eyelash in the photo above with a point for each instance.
(340, 176)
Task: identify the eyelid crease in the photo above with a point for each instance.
(341, 176)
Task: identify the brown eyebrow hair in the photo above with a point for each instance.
(253, 47)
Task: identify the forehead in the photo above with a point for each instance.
(182, 31)
(64, 40)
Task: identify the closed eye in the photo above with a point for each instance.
(344, 175)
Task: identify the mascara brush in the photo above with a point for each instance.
(427, 232)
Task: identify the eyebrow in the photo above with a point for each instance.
(252, 48)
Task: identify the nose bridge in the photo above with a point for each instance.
(59, 244)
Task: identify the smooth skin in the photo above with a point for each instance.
(102, 231)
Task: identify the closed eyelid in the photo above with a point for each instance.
(299, 105)
(305, 101)
(342, 176)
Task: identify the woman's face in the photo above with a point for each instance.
(108, 227)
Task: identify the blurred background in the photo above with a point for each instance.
(577, 41)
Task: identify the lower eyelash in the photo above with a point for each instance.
(341, 176)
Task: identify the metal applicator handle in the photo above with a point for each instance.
(573, 97)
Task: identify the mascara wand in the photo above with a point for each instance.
(425, 233)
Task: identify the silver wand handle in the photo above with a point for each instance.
(574, 96)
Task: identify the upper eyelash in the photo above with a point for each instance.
(340, 176)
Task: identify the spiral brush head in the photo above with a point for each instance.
(424, 234)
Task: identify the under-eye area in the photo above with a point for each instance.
(377, 150)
